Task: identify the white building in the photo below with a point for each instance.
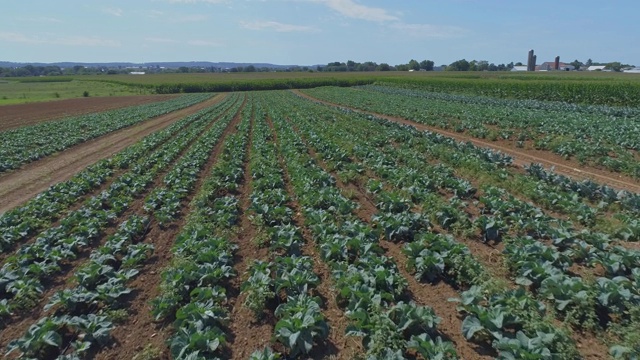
(596, 68)
(519, 68)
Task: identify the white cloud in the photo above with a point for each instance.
(351, 9)
(86, 41)
(113, 11)
(429, 30)
(276, 26)
(83, 41)
(18, 38)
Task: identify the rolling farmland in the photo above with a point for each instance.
(380, 221)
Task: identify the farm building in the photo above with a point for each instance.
(596, 68)
(550, 65)
(519, 68)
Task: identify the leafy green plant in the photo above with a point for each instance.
(301, 324)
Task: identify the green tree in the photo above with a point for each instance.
(589, 62)
(460, 65)
(427, 65)
(576, 64)
(615, 66)
(384, 67)
(414, 65)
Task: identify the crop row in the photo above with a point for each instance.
(82, 319)
(22, 275)
(370, 288)
(585, 202)
(101, 281)
(284, 285)
(164, 202)
(26, 144)
(431, 256)
(194, 288)
(610, 295)
(605, 138)
(22, 222)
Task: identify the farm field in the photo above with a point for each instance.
(379, 221)
(33, 90)
(14, 116)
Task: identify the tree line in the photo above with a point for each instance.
(336, 66)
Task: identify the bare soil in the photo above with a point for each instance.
(337, 345)
(145, 286)
(18, 186)
(435, 295)
(15, 116)
(521, 157)
(141, 329)
(248, 333)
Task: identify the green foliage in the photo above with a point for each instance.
(301, 324)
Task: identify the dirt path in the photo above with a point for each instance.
(435, 295)
(15, 116)
(162, 238)
(520, 158)
(141, 329)
(19, 186)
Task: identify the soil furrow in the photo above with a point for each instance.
(19, 323)
(79, 201)
(15, 116)
(141, 330)
(520, 158)
(249, 334)
(18, 186)
(435, 296)
(337, 345)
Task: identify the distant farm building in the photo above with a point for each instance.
(596, 68)
(519, 68)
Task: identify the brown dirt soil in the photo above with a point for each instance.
(146, 283)
(520, 158)
(590, 346)
(433, 295)
(19, 186)
(16, 326)
(14, 116)
(141, 330)
(248, 334)
(337, 345)
(437, 297)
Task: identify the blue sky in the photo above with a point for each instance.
(308, 32)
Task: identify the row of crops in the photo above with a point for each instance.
(603, 136)
(61, 239)
(585, 88)
(30, 143)
(520, 264)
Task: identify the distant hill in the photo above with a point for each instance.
(169, 65)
